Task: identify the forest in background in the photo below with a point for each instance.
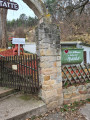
(22, 21)
(73, 19)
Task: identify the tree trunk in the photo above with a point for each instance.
(0, 29)
(3, 28)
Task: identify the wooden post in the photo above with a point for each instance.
(18, 49)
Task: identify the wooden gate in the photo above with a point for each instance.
(20, 73)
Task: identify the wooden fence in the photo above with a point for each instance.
(20, 73)
(75, 74)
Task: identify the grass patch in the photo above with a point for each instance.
(33, 117)
(64, 108)
(25, 97)
(73, 106)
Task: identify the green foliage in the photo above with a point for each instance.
(22, 21)
(65, 108)
(27, 52)
(66, 84)
(88, 100)
(10, 44)
(87, 81)
(73, 106)
(50, 1)
(33, 117)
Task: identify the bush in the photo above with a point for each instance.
(20, 33)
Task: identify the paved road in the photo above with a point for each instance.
(85, 110)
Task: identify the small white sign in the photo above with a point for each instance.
(14, 67)
(18, 41)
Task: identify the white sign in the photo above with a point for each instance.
(18, 41)
(14, 67)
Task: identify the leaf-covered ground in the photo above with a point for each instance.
(66, 112)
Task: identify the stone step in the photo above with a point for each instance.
(5, 92)
(21, 107)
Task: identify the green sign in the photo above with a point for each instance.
(71, 56)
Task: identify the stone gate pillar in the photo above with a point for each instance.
(48, 50)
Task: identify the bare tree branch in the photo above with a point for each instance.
(80, 4)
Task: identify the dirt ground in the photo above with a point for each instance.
(66, 112)
(55, 115)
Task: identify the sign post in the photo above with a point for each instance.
(18, 49)
(18, 41)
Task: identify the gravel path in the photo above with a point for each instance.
(85, 110)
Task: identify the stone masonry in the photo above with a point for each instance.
(48, 50)
(76, 93)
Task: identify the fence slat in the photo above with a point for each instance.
(70, 74)
(84, 72)
(66, 77)
(87, 69)
(75, 74)
(80, 73)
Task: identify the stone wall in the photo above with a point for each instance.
(48, 50)
(76, 93)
